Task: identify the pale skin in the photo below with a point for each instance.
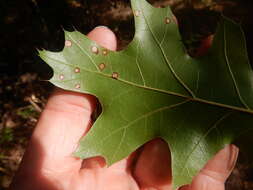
(49, 164)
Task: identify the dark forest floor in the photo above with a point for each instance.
(34, 24)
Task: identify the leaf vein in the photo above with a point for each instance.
(230, 70)
(166, 59)
(144, 116)
(80, 47)
(166, 91)
(138, 65)
(214, 126)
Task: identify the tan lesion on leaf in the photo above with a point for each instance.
(61, 77)
(105, 52)
(167, 20)
(115, 75)
(102, 66)
(77, 86)
(77, 70)
(68, 43)
(94, 49)
(137, 13)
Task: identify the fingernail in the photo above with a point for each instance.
(222, 164)
(185, 187)
(102, 27)
(93, 163)
(234, 151)
(150, 188)
(224, 160)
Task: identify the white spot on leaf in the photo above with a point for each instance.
(115, 75)
(94, 50)
(105, 52)
(137, 13)
(77, 70)
(68, 43)
(101, 66)
(77, 86)
(167, 20)
(61, 76)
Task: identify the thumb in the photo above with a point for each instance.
(215, 173)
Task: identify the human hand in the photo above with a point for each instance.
(48, 163)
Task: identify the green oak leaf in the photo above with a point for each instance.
(153, 89)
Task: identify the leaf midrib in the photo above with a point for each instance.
(196, 99)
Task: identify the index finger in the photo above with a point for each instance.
(65, 119)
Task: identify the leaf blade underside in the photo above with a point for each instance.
(153, 89)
